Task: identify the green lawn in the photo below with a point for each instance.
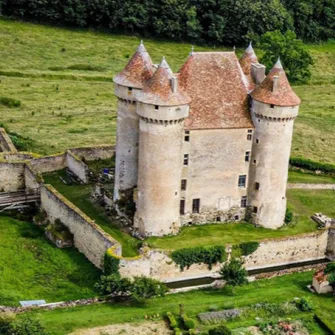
(281, 289)
(304, 203)
(309, 178)
(63, 107)
(33, 268)
(80, 196)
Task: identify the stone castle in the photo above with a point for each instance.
(210, 143)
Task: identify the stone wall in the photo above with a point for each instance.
(11, 176)
(94, 153)
(49, 163)
(89, 238)
(6, 144)
(331, 243)
(77, 166)
(32, 178)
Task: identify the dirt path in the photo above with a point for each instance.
(143, 328)
(311, 186)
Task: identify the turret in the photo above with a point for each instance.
(128, 83)
(162, 107)
(274, 108)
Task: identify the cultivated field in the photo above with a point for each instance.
(63, 79)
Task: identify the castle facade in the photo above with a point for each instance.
(210, 143)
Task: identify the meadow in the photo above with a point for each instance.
(63, 79)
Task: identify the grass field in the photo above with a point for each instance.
(63, 79)
(309, 178)
(32, 268)
(281, 289)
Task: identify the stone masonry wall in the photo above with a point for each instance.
(94, 153)
(32, 179)
(6, 144)
(77, 166)
(11, 176)
(49, 163)
(89, 238)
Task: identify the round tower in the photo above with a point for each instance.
(274, 108)
(128, 83)
(162, 107)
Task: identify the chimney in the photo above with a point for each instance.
(257, 72)
(275, 84)
(174, 84)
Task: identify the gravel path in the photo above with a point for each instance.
(312, 186)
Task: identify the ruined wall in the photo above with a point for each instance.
(216, 159)
(94, 153)
(6, 144)
(89, 238)
(49, 163)
(32, 179)
(77, 166)
(331, 243)
(11, 176)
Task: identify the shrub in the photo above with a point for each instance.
(188, 322)
(330, 267)
(26, 326)
(10, 102)
(111, 263)
(6, 318)
(288, 216)
(208, 255)
(312, 166)
(113, 284)
(248, 248)
(234, 273)
(221, 330)
(172, 320)
(177, 331)
(304, 305)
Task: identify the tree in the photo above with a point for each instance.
(234, 273)
(292, 52)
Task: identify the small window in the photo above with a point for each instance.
(257, 140)
(156, 107)
(182, 207)
(244, 202)
(183, 184)
(255, 209)
(250, 131)
(242, 180)
(130, 89)
(187, 132)
(218, 219)
(249, 137)
(196, 206)
(254, 161)
(256, 186)
(187, 138)
(272, 106)
(247, 156)
(185, 159)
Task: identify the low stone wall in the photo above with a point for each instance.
(6, 144)
(331, 243)
(11, 176)
(89, 238)
(49, 163)
(32, 178)
(77, 166)
(289, 250)
(94, 153)
(11, 157)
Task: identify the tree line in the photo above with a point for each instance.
(230, 22)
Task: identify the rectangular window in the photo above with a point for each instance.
(187, 138)
(255, 210)
(250, 131)
(242, 180)
(185, 159)
(196, 206)
(182, 207)
(257, 186)
(254, 161)
(183, 184)
(249, 137)
(247, 156)
(244, 202)
(130, 89)
(156, 107)
(272, 106)
(257, 140)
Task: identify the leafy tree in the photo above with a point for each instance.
(292, 52)
(234, 273)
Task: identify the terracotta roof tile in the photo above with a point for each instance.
(217, 86)
(158, 89)
(249, 57)
(138, 70)
(283, 95)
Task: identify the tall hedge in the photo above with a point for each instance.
(310, 165)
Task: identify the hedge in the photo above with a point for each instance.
(208, 255)
(245, 249)
(312, 166)
(111, 264)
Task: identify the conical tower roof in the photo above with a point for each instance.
(249, 57)
(159, 89)
(280, 93)
(138, 70)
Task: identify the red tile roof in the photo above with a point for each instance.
(283, 96)
(158, 89)
(218, 89)
(138, 70)
(249, 57)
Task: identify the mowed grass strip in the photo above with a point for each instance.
(32, 268)
(309, 178)
(58, 113)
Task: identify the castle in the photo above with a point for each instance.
(210, 143)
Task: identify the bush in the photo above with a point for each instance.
(234, 273)
(172, 320)
(304, 305)
(310, 165)
(6, 318)
(221, 330)
(177, 331)
(208, 255)
(188, 322)
(26, 326)
(111, 263)
(10, 102)
(288, 216)
(248, 248)
(330, 267)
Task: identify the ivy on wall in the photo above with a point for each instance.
(244, 249)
